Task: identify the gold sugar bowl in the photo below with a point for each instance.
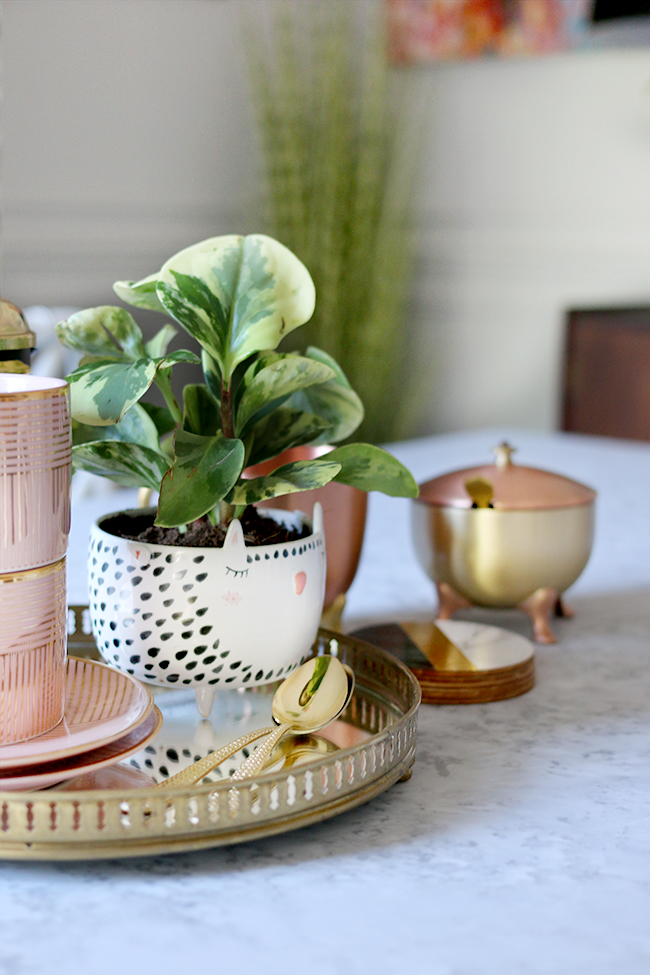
(17, 341)
(504, 536)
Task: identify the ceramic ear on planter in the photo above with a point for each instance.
(236, 616)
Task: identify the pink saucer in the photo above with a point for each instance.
(26, 778)
(101, 705)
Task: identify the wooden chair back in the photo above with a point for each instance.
(607, 373)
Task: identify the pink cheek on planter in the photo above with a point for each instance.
(300, 581)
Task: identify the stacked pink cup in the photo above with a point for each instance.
(35, 472)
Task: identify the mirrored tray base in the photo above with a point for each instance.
(371, 747)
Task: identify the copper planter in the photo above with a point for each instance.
(344, 516)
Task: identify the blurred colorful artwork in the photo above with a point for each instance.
(428, 30)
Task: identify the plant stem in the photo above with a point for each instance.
(164, 384)
(226, 411)
(226, 513)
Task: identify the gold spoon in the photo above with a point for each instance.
(308, 700)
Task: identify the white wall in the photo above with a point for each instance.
(536, 198)
(126, 135)
(124, 138)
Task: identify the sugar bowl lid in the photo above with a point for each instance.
(15, 333)
(506, 486)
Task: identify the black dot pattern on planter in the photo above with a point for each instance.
(175, 573)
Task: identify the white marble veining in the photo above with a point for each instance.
(521, 845)
(487, 646)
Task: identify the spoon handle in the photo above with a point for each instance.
(256, 759)
(194, 773)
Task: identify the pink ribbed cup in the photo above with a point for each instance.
(32, 651)
(35, 471)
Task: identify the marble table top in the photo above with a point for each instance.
(520, 846)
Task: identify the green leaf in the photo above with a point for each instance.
(373, 469)
(104, 331)
(236, 295)
(321, 356)
(128, 464)
(158, 345)
(212, 374)
(161, 416)
(140, 294)
(136, 427)
(102, 391)
(303, 475)
(167, 361)
(201, 412)
(335, 401)
(204, 471)
(282, 429)
(266, 386)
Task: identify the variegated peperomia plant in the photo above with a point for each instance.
(238, 297)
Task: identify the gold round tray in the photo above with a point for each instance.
(381, 718)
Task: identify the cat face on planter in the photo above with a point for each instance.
(232, 616)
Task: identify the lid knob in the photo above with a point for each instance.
(502, 454)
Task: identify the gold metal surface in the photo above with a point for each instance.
(15, 333)
(36, 393)
(14, 366)
(500, 558)
(438, 648)
(43, 570)
(309, 699)
(503, 454)
(480, 491)
(114, 823)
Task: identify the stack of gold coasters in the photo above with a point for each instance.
(457, 662)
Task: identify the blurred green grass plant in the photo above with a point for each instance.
(340, 157)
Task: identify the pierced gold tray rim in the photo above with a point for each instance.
(222, 833)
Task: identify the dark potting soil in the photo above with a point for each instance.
(258, 530)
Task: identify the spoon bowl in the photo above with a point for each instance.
(308, 700)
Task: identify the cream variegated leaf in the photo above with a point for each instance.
(135, 427)
(158, 345)
(304, 475)
(335, 401)
(284, 428)
(103, 331)
(140, 294)
(128, 464)
(236, 295)
(102, 391)
(266, 386)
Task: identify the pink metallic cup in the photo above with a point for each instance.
(32, 651)
(35, 471)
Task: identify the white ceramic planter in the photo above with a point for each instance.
(235, 616)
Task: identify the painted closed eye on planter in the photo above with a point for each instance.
(206, 617)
